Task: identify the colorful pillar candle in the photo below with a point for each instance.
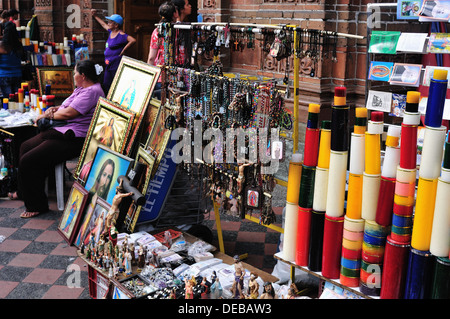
(356, 167)
(394, 269)
(440, 232)
(419, 275)
(291, 213)
(436, 98)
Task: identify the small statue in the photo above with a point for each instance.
(127, 262)
(239, 273)
(189, 288)
(268, 293)
(113, 211)
(141, 257)
(216, 289)
(253, 287)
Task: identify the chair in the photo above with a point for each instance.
(59, 185)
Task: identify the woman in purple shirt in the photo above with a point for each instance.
(39, 154)
(116, 45)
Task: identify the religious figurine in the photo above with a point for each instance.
(241, 176)
(133, 254)
(141, 257)
(253, 287)
(189, 288)
(205, 288)
(239, 272)
(113, 211)
(127, 262)
(216, 289)
(268, 292)
(291, 294)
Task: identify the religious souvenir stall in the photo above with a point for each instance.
(225, 131)
(371, 221)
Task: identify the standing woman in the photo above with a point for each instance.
(116, 45)
(168, 13)
(39, 154)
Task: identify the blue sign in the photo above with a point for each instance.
(159, 187)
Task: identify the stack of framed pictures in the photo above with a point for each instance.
(108, 151)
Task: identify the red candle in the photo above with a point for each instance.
(303, 236)
(408, 146)
(385, 201)
(332, 246)
(394, 269)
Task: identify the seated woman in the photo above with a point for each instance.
(39, 154)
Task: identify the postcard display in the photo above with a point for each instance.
(390, 238)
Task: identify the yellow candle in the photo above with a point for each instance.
(372, 154)
(361, 116)
(294, 177)
(354, 199)
(323, 160)
(424, 213)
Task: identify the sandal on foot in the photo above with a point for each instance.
(26, 214)
(13, 196)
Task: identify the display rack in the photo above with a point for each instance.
(318, 274)
(260, 29)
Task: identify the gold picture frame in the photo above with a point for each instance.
(111, 127)
(60, 79)
(132, 88)
(134, 210)
(159, 136)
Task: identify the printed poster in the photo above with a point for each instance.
(384, 42)
(398, 104)
(379, 101)
(408, 9)
(380, 71)
(439, 43)
(406, 74)
(435, 10)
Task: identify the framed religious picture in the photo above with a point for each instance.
(380, 71)
(107, 166)
(150, 119)
(110, 126)
(148, 161)
(132, 88)
(73, 212)
(160, 135)
(59, 78)
(408, 9)
(93, 224)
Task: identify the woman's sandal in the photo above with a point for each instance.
(13, 196)
(26, 214)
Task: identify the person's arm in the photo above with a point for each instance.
(152, 56)
(102, 23)
(57, 113)
(131, 41)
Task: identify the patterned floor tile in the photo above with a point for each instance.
(27, 260)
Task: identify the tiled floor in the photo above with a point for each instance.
(36, 262)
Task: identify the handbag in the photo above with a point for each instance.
(44, 124)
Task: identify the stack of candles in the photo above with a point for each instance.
(420, 259)
(374, 236)
(353, 223)
(306, 193)
(337, 174)
(440, 233)
(320, 199)
(291, 213)
(398, 241)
